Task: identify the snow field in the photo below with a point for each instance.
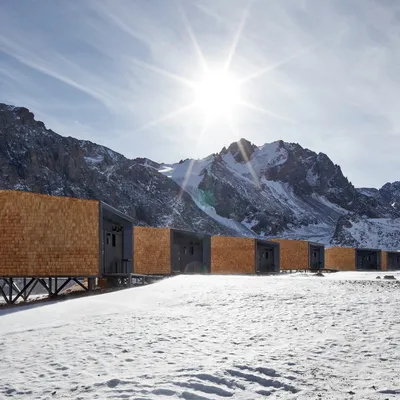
(210, 337)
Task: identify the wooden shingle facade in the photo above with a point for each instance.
(51, 236)
(166, 251)
(301, 255)
(352, 259)
(340, 258)
(246, 256)
(152, 249)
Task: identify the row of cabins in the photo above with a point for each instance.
(53, 236)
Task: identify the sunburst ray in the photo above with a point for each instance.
(238, 35)
(163, 72)
(192, 36)
(278, 64)
(164, 118)
(265, 111)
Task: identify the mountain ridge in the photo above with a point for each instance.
(277, 189)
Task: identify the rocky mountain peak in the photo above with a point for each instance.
(241, 150)
(390, 193)
(18, 116)
(393, 187)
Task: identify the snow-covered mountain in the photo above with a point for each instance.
(281, 189)
(278, 189)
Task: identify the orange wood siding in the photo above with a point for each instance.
(152, 250)
(44, 235)
(294, 254)
(341, 258)
(233, 255)
(384, 260)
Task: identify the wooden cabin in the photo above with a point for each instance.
(237, 255)
(301, 255)
(166, 251)
(353, 259)
(52, 236)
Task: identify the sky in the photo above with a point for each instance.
(323, 74)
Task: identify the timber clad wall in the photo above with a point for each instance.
(233, 255)
(294, 254)
(152, 251)
(44, 235)
(384, 260)
(341, 258)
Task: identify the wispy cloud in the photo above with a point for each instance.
(30, 59)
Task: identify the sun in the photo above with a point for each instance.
(217, 94)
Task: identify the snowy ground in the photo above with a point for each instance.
(210, 337)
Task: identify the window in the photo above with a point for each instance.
(108, 238)
(192, 250)
(315, 254)
(266, 254)
(113, 240)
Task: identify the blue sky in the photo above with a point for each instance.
(323, 74)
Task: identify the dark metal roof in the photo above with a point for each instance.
(184, 232)
(366, 249)
(113, 210)
(267, 242)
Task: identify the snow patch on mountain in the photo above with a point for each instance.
(312, 178)
(318, 233)
(382, 233)
(268, 155)
(94, 160)
(370, 192)
(188, 175)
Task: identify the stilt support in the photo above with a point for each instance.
(13, 289)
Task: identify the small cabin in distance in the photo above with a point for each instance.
(238, 255)
(352, 259)
(301, 254)
(391, 260)
(166, 251)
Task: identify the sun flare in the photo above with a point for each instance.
(217, 94)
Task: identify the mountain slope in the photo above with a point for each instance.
(278, 189)
(33, 158)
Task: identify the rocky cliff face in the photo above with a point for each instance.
(278, 189)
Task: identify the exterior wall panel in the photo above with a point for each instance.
(341, 258)
(44, 235)
(293, 254)
(152, 251)
(384, 260)
(233, 255)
